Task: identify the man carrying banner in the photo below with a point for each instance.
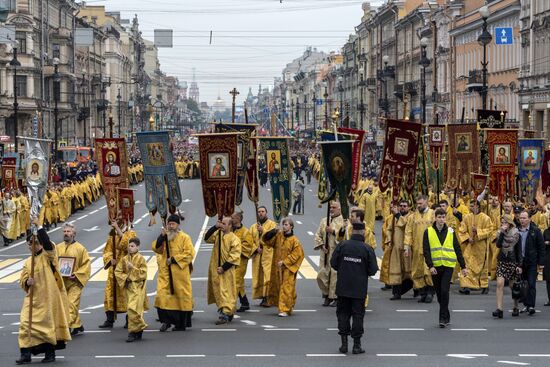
(325, 242)
(247, 249)
(75, 283)
(262, 258)
(175, 253)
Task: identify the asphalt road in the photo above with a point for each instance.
(396, 332)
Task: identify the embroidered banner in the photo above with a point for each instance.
(400, 156)
(37, 156)
(502, 146)
(324, 188)
(479, 181)
(9, 177)
(279, 173)
(113, 169)
(530, 161)
(436, 144)
(126, 204)
(243, 151)
(357, 153)
(464, 155)
(218, 164)
(338, 167)
(545, 172)
(162, 189)
(252, 172)
(491, 119)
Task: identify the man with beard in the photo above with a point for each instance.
(74, 284)
(326, 241)
(413, 245)
(226, 254)
(121, 238)
(247, 249)
(262, 258)
(174, 299)
(396, 268)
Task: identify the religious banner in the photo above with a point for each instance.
(9, 177)
(218, 164)
(324, 188)
(243, 151)
(490, 119)
(436, 143)
(357, 154)
(112, 163)
(464, 155)
(400, 158)
(126, 204)
(252, 171)
(338, 167)
(37, 156)
(545, 172)
(502, 146)
(162, 189)
(479, 181)
(278, 169)
(530, 161)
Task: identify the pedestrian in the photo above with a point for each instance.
(546, 271)
(441, 253)
(355, 262)
(298, 196)
(50, 313)
(508, 261)
(532, 253)
(287, 258)
(131, 275)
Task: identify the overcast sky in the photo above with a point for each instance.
(252, 40)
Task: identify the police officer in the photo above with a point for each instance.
(441, 253)
(354, 261)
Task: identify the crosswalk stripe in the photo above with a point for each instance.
(12, 277)
(308, 271)
(315, 259)
(152, 267)
(8, 262)
(102, 274)
(11, 269)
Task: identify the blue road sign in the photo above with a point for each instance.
(504, 36)
(319, 102)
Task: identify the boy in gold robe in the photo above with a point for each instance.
(247, 249)
(131, 274)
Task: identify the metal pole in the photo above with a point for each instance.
(15, 103)
(484, 90)
(119, 97)
(56, 110)
(314, 115)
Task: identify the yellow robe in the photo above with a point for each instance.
(282, 290)
(134, 282)
(327, 276)
(182, 250)
(14, 229)
(367, 202)
(540, 220)
(55, 207)
(261, 263)
(82, 269)
(222, 288)
(414, 234)
(476, 254)
(121, 251)
(50, 311)
(395, 267)
(25, 218)
(247, 249)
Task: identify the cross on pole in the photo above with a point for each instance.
(233, 93)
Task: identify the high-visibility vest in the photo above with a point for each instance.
(442, 254)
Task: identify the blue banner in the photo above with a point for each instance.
(530, 158)
(159, 171)
(278, 169)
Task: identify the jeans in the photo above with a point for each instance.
(297, 208)
(442, 283)
(354, 309)
(530, 275)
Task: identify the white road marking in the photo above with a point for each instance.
(281, 329)
(466, 311)
(93, 307)
(137, 221)
(15, 323)
(94, 211)
(310, 233)
(515, 363)
(332, 329)
(531, 329)
(199, 239)
(84, 312)
(268, 326)
(254, 355)
(209, 330)
(325, 355)
(249, 322)
(299, 222)
(82, 217)
(405, 329)
(396, 355)
(185, 356)
(116, 356)
(468, 329)
(40, 357)
(466, 356)
(535, 355)
(103, 207)
(96, 331)
(25, 241)
(144, 215)
(315, 259)
(11, 314)
(200, 279)
(304, 311)
(100, 248)
(411, 310)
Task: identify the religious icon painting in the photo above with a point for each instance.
(530, 157)
(111, 164)
(273, 161)
(66, 265)
(218, 165)
(155, 154)
(401, 147)
(463, 143)
(501, 154)
(240, 153)
(34, 170)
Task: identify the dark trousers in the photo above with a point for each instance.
(530, 275)
(354, 309)
(297, 208)
(442, 283)
(548, 289)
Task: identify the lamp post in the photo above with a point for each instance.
(84, 86)
(361, 101)
(314, 114)
(384, 74)
(424, 63)
(14, 63)
(341, 90)
(56, 87)
(292, 114)
(325, 95)
(484, 39)
(119, 98)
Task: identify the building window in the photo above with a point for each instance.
(56, 51)
(21, 38)
(21, 84)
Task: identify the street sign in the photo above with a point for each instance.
(504, 36)
(319, 102)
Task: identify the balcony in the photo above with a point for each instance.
(411, 88)
(475, 81)
(383, 104)
(371, 83)
(62, 33)
(398, 91)
(441, 97)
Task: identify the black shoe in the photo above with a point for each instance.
(357, 346)
(77, 330)
(327, 302)
(429, 298)
(395, 297)
(126, 323)
(48, 358)
(485, 290)
(106, 325)
(264, 302)
(244, 308)
(139, 335)
(422, 298)
(465, 291)
(131, 338)
(24, 359)
(416, 292)
(547, 303)
(333, 303)
(164, 327)
(175, 328)
(344, 346)
(515, 312)
(498, 313)
(442, 324)
(531, 311)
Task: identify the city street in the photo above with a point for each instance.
(403, 332)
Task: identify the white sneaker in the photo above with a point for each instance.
(283, 314)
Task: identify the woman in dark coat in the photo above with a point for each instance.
(546, 271)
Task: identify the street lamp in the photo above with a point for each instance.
(14, 63)
(56, 87)
(484, 39)
(119, 97)
(424, 63)
(361, 102)
(84, 86)
(383, 76)
(341, 90)
(325, 85)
